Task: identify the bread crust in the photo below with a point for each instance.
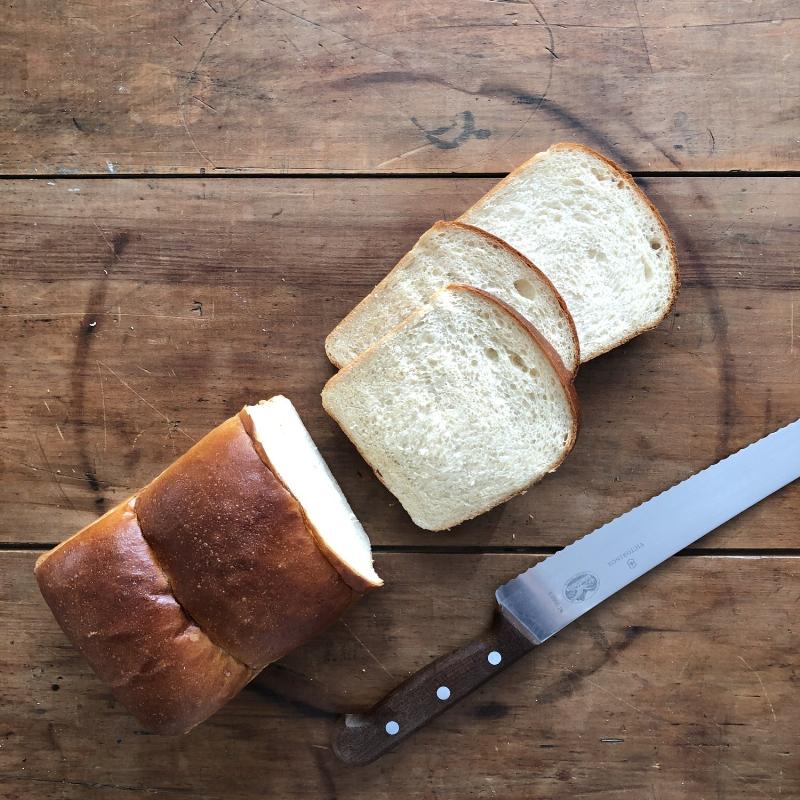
(180, 595)
(355, 580)
(237, 550)
(562, 373)
(628, 179)
(115, 604)
(490, 237)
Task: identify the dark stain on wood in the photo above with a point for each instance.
(491, 710)
(463, 127)
(569, 682)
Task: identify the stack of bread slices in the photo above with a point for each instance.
(456, 371)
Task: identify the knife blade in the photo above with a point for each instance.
(545, 598)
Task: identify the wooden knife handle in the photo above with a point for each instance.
(361, 738)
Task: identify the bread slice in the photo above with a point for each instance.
(459, 408)
(452, 252)
(585, 223)
(291, 454)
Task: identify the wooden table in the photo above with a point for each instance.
(194, 193)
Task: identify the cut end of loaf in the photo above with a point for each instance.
(291, 454)
(458, 409)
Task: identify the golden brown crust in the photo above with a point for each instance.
(628, 179)
(115, 605)
(237, 551)
(563, 374)
(490, 237)
(178, 596)
(356, 581)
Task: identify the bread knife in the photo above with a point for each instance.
(540, 602)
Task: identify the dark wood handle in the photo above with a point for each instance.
(361, 738)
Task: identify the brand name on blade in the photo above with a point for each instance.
(629, 552)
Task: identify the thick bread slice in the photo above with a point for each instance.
(115, 605)
(237, 551)
(287, 448)
(459, 408)
(452, 252)
(585, 223)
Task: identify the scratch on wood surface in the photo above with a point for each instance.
(103, 400)
(644, 40)
(203, 103)
(59, 475)
(369, 652)
(763, 688)
(105, 239)
(540, 99)
(191, 138)
(105, 313)
(322, 27)
(53, 475)
(411, 152)
(171, 423)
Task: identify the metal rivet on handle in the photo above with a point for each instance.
(392, 727)
(494, 658)
(443, 693)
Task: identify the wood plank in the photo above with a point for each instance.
(139, 314)
(684, 686)
(440, 87)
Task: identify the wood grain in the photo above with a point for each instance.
(683, 686)
(138, 314)
(257, 85)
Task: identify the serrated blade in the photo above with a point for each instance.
(569, 583)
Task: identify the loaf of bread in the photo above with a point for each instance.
(587, 226)
(452, 252)
(241, 550)
(460, 407)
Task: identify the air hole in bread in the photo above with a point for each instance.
(596, 255)
(525, 288)
(517, 361)
(491, 353)
(655, 244)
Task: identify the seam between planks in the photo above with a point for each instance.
(100, 176)
(464, 550)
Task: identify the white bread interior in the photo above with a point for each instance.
(593, 232)
(457, 409)
(296, 461)
(452, 252)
